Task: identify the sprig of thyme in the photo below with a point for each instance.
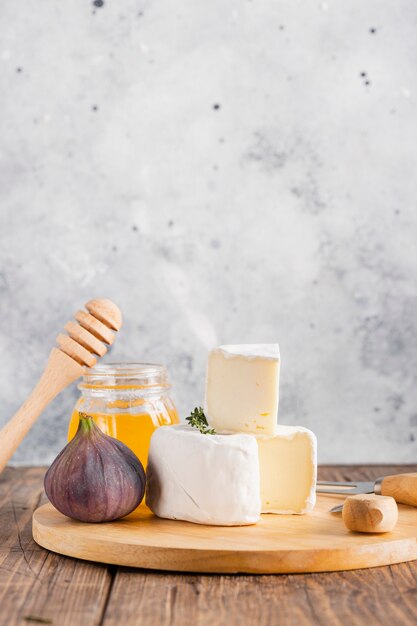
(197, 419)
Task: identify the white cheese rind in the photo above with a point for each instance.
(205, 479)
(252, 351)
(242, 388)
(288, 467)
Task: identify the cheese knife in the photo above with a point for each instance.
(401, 487)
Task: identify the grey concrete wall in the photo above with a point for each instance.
(239, 171)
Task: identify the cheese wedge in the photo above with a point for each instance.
(242, 388)
(288, 466)
(206, 479)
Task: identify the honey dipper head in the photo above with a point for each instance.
(105, 311)
(94, 330)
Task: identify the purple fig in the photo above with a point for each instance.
(95, 478)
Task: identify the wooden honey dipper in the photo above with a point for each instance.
(65, 364)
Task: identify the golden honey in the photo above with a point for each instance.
(128, 402)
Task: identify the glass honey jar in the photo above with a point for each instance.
(127, 401)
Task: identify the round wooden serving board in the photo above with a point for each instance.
(278, 544)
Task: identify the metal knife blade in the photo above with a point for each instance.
(347, 488)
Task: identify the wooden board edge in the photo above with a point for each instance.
(230, 561)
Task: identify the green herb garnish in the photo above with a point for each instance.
(197, 419)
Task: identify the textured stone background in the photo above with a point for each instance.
(226, 172)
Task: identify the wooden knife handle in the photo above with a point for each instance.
(368, 513)
(402, 487)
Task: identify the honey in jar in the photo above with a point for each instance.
(127, 401)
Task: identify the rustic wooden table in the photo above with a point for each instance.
(40, 587)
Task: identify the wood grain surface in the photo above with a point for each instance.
(37, 586)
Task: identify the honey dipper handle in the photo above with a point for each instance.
(60, 371)
(402, 487)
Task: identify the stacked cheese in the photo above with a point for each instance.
(251, 465)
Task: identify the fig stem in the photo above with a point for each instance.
(86, 421)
